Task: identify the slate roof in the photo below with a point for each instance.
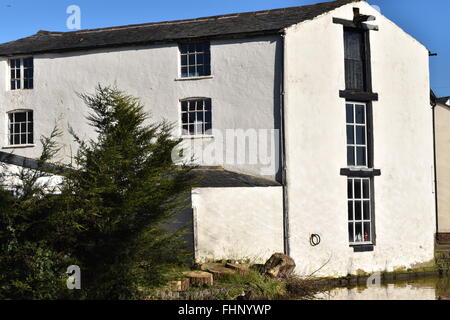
(251, 23)
(220, 178)
(206, 177)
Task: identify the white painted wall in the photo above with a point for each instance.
(244, 89)
(442, 128)
(238, 223)
(316, 148)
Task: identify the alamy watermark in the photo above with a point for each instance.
(73, 22)
(258, 148)
(74, 278)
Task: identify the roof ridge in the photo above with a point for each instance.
(205, 18)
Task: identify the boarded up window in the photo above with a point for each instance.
(355, 73)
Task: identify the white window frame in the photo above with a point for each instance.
(8, 131)
(204, 133)
(22, 73)
(180, 68)
(355, 125)
(353, 221)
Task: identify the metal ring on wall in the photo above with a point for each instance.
(315, 240)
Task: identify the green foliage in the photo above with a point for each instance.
(110, 208)
(31, 269)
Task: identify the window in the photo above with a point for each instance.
(20, 128)
(195, 60)
(360, 211)
(22, 71)
(355, 56)
(357, 149)
(196, 117)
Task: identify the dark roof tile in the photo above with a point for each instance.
(209, 27)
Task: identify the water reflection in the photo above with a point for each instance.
(417, 289)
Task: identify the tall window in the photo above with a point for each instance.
(20, 128)
(195, 59)
(357, 149)
(22, 73)
(355, 56)
(196, 117)
(359, 211)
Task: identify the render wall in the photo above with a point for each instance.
(442, 121)
(244, 88)
(316, 148)
(238, 223)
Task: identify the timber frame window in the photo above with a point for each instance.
(356, 67)
(22, 73)
(360, 222)
(196, 117)
(357, 138)
(20, 128)
(195, 59)
(360, 172)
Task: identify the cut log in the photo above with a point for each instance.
(199, 278)
(242, 269)
(279, 266)
(217, 270)
(181, 285)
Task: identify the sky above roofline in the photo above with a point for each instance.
(425, 20)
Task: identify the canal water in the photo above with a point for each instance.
(437, 288)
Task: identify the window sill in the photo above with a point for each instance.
(360, 96)
(360, 172)
(196, 137)
(194, 78)
(22, 146)
(19, 90)
(363, 247)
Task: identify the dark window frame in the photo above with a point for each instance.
(21, 132)
(190, 109)
(21, 72)
(195, 59)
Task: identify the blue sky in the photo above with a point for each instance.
(426, 20)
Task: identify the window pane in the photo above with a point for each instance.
(23, 139)
(351, 156)
(358, 211)
(366, 206)
(208, 104)
(185, 130)
(191, 59)
(361, 156)
(357, 189)
(21, 117)
(184, 48)
(360, 135)
(184, 72)
(16, 139)
(350, 210)
(208, 116)
(350, 135)
(30, 138)
(184, 60)
(367, 232)
(200, 116)
(208, 128)
(350, 118)
(191, 117)
(184, 118)
(350, 188)
(184, 106)
(350, 232)
(191, 129)
(366, 189)
(360, 116)
(358, 232)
